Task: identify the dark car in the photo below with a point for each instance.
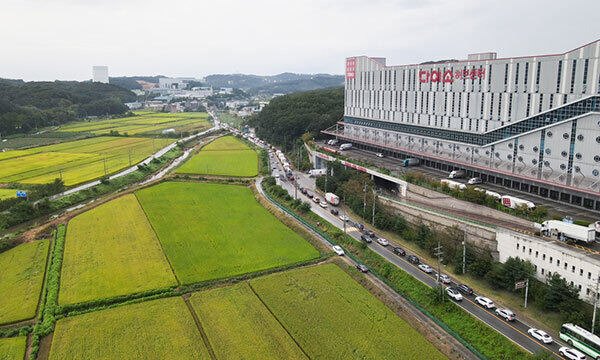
(359, 226)
(399, 251)
(413, 259)
(465, 289)
(304, 191)
(366, 238)
(362, 268)
(310, 195)
(370, 233)
(334, 212)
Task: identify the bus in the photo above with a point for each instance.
(581, 339)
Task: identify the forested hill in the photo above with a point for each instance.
(288, 117)
(283, 83)
(26, 106)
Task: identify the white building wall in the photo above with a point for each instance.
(548, 257)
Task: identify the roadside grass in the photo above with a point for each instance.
(214, 231)
(158, 329)
(21, 280)
(13, 348)
(76, 161)
(332, 316)
(226, 156)
(239, 326)
(110, 251)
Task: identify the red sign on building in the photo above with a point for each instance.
(350, 68)
(426, 76)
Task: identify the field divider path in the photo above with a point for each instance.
(278, 321)
(200, 328)
(157, 239)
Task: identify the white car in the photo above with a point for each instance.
(570, 353)
(453, 293)
(323, 204)
(344, 218)
(540, 335)
(445, 279)
(485, 302)
(316, 200)
(382, 242)
(505, 314)
(379, 155)
(338, 250)
(473, 181)
(426, 268)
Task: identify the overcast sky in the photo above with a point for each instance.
(62, 39)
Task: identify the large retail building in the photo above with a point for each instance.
(530, 123)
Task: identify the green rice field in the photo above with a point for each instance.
(158, 329)
(76, 161)
(21, 280)
(112, 250)
(239, 326)
(8, 193)
(332, 317)
(13, 348)
(144, 123)
(213, 231)
(225, 156)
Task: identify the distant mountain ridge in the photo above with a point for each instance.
(283, 83)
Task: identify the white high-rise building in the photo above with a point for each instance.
(100, 74)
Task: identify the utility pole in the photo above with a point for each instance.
(464, 244)
(439, 253)
(526, 292)
(374, 201)
(326, 174)
(364, 197)
(105, 166)
(595, 304)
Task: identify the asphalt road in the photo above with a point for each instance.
(516, 331)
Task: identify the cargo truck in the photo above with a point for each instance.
(562, 231)
(456, 174)
(514, 202)
(316, 172)
(332, 198)
(410, 162)
(453, 184)
(346, 146)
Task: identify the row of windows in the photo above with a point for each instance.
(565, 265)
(563, 113)
(409, 79)
(398, 101)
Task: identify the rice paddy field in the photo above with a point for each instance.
(76, 161)
(112, 250)
(225, 156)
(144, 123)
(213, 231)
(332, 317)
(158, 329)
(8, 193)
(21, 280)
(13, 348)
(239, 326)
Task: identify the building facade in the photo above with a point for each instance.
(579, 268)
(100, 74)
(531, 123)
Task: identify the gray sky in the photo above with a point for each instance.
(62, 39)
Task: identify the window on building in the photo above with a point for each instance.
(551, 101)
(585, 72)
(550, 259)
(505, 76)
(529, 251)
(558, 76)
(528, 105)
(523, 248)
(543, 256)
(536, 253)
(525, 78)
(537, 76)
(573, 75)
(580, 272)
(542, 271)
(589, 275)
(565, 266)
(557, 262)
(572, 269)
(541, 102)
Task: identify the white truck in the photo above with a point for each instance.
(316, 172)
(514, 202)
(562, 231)
(456, 174)
(490, 193)
(410, 162)
(453, 184)
(346, 146)
(332, 198)
(332, 142)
